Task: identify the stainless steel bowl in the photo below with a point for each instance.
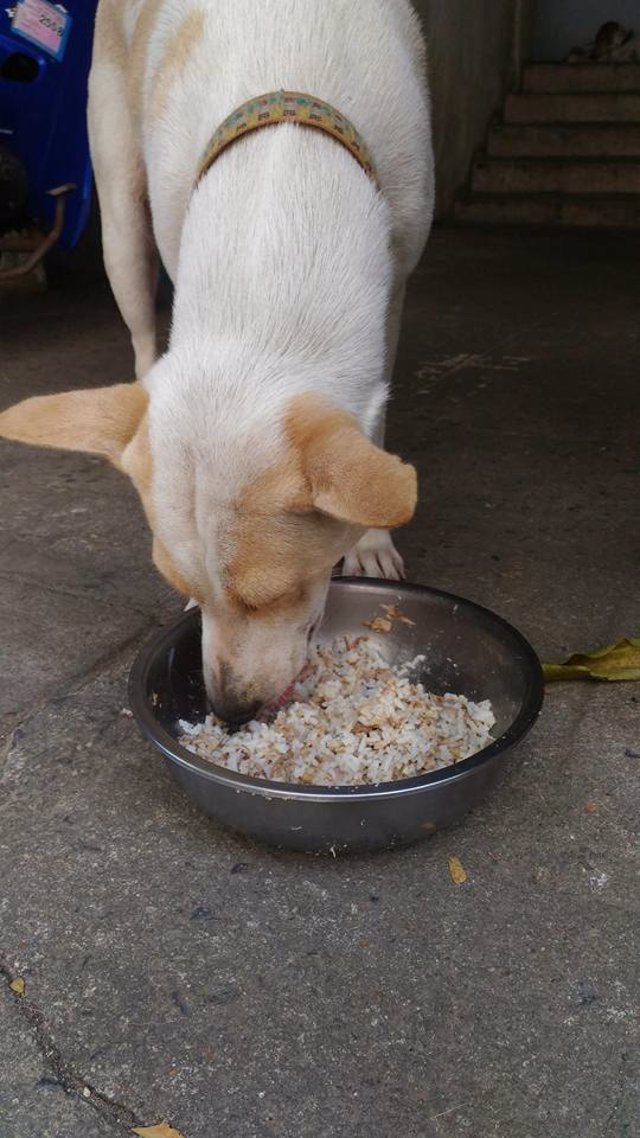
(468, 649)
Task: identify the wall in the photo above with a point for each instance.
(563, 24)
(470, 60)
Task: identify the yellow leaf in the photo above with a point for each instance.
(19, 986)
(619, 661)
(160, 1130)
(457, 871)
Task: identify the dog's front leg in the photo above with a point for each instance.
(130, 255)
(375, 555)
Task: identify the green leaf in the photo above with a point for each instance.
(619, 661)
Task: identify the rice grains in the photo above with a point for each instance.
(353, 719)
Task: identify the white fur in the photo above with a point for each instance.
(289, 264)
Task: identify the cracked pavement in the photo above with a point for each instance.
(174, 971)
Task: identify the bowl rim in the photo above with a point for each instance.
(267, 788)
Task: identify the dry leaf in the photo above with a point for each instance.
(457, 871)
(160, 1130)
(19, 986)
(619, 661)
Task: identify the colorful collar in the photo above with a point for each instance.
(286, 106)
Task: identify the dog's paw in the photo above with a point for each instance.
(375, 555)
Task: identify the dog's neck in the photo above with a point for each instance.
(286, 107)
(286, 252)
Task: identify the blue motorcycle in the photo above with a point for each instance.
(45, 169)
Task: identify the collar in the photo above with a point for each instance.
(288, 107)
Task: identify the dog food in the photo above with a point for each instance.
(353, 719)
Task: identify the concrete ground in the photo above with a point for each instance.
(175, 972)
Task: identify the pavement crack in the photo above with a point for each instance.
(63, 1073)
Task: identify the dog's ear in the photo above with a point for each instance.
(101, 421)
(349, 477)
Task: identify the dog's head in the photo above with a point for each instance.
(608, 37)
(247, 522)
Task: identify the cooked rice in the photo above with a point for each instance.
(354, 719)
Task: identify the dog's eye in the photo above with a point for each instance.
(291, 597)
(268, 602)
(247, 607)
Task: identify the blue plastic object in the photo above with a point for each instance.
(43, 107)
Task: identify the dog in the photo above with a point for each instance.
(255, 441)
(612, 44)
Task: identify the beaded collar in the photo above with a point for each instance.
(286, 107)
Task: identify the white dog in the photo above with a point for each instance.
(255, 442)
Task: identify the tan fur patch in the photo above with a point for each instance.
(349, 477)
(99, 420)
(110, 47)
(280, 542)
(310, 420)
(174, 61)
(138, 57)
(270, 561)
(295, 521)
(109, 42)
(111, 422)
(138, 464)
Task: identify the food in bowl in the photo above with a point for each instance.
(352, 719)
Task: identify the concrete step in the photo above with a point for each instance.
(605, 106)
(550, 210)
(564, 140)
(555, 176)
(558, 77)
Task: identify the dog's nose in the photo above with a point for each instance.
(235, 712)
(228, 697)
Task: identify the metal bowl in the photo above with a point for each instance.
(468, 649)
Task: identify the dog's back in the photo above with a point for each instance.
(189, 63)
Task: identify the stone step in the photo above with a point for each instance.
(604, 106)
(555, 176)
(559, 77)
(564, 140)
(550, 210)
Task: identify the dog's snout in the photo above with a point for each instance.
(248, 666)
(227, 698)
(234, 711)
